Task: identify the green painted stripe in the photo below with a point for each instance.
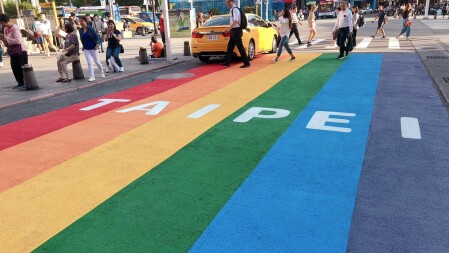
(167, 209)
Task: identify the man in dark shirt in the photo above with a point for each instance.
(381, 21)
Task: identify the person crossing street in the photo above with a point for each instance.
(236, 36)
(343, 28)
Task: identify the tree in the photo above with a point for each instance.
(11, 11)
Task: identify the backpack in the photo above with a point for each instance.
(243, 21)
(361, 21)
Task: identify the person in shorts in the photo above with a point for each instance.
(381, 21)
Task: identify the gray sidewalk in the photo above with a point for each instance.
(47, 73)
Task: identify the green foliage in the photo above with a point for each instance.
(249, 9)
(11, 11)
(214, 11)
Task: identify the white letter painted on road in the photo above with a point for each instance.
(410, 128)
(203, 111)
(319, 119)
(156, 108)
(104, 101)
(255, 112)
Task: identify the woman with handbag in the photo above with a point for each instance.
(69, 53)
(91, 43)
(16, 49)
(114, 48)
(406, 23)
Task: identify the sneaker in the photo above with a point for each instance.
(18, 86)
(1, 64)
(291, 59)
(341, 57)
(383, 37)
(346, 52)
(309, 44)
(91, 79)
(107, 71)
(275, 60)
(103, 75)
(372, 36)
(121, 69)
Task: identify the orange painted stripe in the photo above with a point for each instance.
(26, 160)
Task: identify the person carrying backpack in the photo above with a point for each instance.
(237, 24)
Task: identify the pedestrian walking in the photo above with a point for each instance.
(295, 22)
(38, 38)
(355, 23)
(406, 22)
(114, 48)
(16, 49)
(312, 25)
(381, 21)
(91, 43)
(285, 19)
(69, 53)
(47, 33)
(236, 32)
(343, 28)
(444, 10)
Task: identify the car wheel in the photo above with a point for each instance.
(204, 58)
(274, 46)
(139, 30)
(251, 50)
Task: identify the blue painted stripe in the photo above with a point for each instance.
(301, 196)
(402, 202)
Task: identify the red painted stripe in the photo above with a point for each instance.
(33, 127)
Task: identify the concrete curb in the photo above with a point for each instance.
(86, 86)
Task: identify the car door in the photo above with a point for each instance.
(266, 36)
(253, 32)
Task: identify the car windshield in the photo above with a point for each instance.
(217, 21)
(139, 20)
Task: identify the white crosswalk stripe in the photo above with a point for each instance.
(393, 43)
(364, 43)
(313, 43)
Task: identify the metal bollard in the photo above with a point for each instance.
(143, 56)
(29, 77)
(77, 70)
(186, 48)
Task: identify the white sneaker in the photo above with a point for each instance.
(121, 69)
(91, 79)
(1, 64)
(103, 75)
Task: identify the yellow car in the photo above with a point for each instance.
(209, 40)
(138, 25)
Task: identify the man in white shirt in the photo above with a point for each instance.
(236, 36)
(343, 28)
(46, 32)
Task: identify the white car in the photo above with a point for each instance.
(366, 11)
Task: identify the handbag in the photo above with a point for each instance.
(14, 50)
(122, 49)
(408, 23)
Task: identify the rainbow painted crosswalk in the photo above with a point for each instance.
(265, 159)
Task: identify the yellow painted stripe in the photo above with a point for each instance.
(36, 210)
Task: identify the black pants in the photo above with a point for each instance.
(294, 31)
(354, 34)
(236, 40)
(163, 38)
(341, 39)
(16, 65)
